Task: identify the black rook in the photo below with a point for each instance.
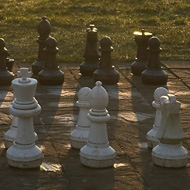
(141, 61)
(91, 53)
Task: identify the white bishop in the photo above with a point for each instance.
(97, 153)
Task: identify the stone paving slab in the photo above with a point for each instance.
(132, 116)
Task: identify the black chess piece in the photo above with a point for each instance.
(91, 53)
(141, 61)
(154, 74)
(51, 74)
(44, 29)
(6, 76)
(106, 72)
(9, 62)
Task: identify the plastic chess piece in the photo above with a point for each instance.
(151, 135)
(10, 135)
(91, 53)
(51, 74)
(141, 61)
(44, 29)
(80, 134)
(97, 153)
(24, 153)
(106, 73)
(170, 152)
(5, 75)
(154, 74)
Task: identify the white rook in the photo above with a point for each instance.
(170, 152)
(151, 137)
(97, 153)
(80, 134)
(24, 153)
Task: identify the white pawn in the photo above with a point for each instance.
(152, 140)
(97, 153)
(169, 152)
(10, 135)
(80, 134)
(24, 153)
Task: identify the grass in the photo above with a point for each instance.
(118, 19)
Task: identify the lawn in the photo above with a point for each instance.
(169, 20)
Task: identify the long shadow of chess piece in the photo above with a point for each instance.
(154, 74)
(51, 74)
(44, 29)
(141, 61)
(91, 53)
(106, 72)
(5, 75)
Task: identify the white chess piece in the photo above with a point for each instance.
(80, 134)
(151, 135)
(170, 152)
(11, 134)
(24, 153)
(97, 153)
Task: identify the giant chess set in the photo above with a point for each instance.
(90, 134)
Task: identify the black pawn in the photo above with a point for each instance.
(91, 53)
(5, 75)
(51, 74)
(154, 74)
(44, 29)
(106, 72)
(141, 61)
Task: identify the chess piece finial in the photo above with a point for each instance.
(51, 74)
(151, 136)
(5, 75)
(141, 61)
(24, 73)
(80, 134)
(154, 74)
(97, 153)
(44, 29)
(106, 73)
(91, 53)
(170, 152)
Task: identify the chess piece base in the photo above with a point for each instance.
(24, 156)
(154, 77)
(37, 66)
(137, 67)
(79, 137)
(108, 76)
(51, 77)
(97, 156)
(170, 155)
(87, 69)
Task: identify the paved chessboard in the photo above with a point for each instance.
(132, 116)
